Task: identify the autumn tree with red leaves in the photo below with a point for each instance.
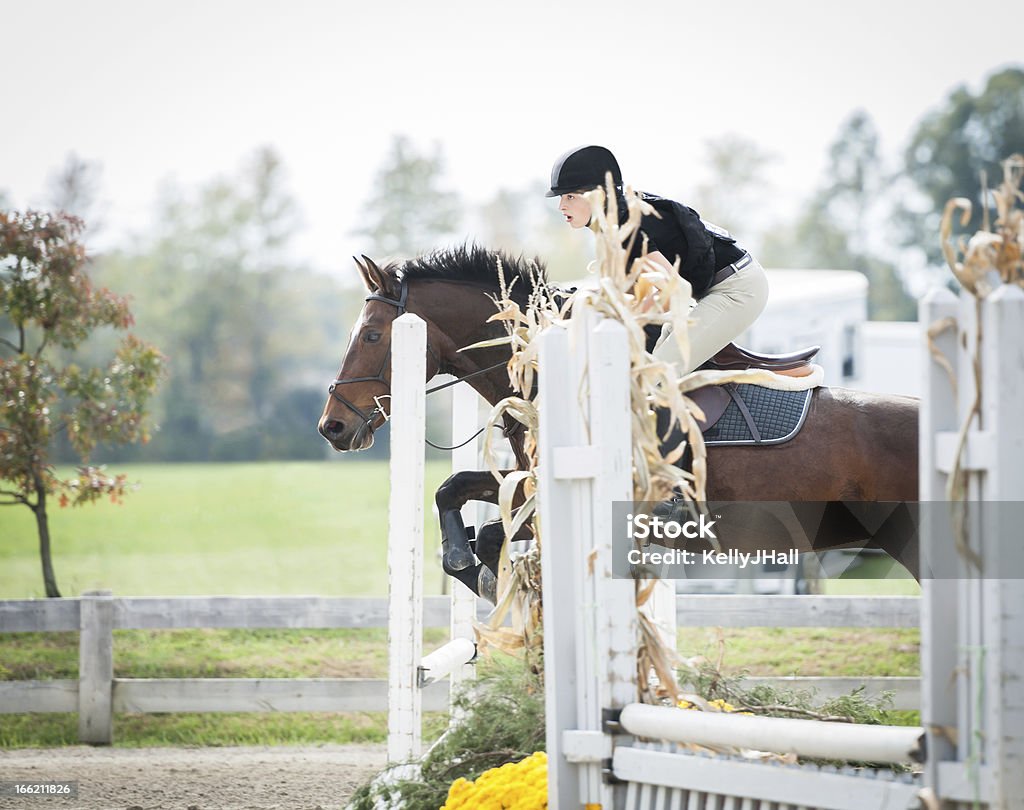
(48, 308)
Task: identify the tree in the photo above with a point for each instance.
(735, 194)
(408, 210)
(843, 225)
(251, 336)
(953, 146)
(74, 189)
(50, 307)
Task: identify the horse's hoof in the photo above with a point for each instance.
(456, 558)
(487, 585)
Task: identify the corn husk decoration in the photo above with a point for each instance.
(981, 263)
(989, 257)
(636, 294)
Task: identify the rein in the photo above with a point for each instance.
(368, 418)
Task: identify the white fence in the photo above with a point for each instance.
(97, 695)
(591, 640)
(102, 695)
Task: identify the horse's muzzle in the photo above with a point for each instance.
(343, 437)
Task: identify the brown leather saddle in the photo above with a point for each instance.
(714, 399)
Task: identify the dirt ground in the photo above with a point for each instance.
(261, 778)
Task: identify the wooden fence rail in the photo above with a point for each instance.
(97, 696)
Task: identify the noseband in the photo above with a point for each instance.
(332, 389)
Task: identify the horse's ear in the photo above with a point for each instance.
(379, 280)
(364, 275)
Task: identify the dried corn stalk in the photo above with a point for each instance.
(989, 258)
(998, 251)
(636, 294)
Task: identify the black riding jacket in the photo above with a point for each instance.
(703, 248)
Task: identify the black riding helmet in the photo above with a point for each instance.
(582, 169)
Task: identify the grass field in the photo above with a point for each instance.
(301, 528)
(274, 528)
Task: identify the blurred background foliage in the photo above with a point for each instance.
(252, 337)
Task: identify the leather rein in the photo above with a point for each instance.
(378, 410)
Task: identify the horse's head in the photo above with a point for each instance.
(358, 401)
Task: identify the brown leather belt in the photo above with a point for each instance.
(730, 270)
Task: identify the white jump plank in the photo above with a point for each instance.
(759, 781)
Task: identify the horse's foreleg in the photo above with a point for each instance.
(465, 486)
(482, 578)
(490, 537)
(451, 496)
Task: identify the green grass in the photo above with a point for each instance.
(211, 654)
(807, 651)
(149, 730)
(190, 529)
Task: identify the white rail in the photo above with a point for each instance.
(805, 738)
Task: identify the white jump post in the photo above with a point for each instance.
(590, 624)
(408, 670)
(590, 628)
(405, 536)
(972, 623)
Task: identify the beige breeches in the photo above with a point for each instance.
(719, 317)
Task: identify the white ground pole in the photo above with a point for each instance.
(590, 625)
(808, 738)
(405, 536)
(973, 627)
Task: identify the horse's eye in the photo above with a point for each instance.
(371, 337)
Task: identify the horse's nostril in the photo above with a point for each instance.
(331, 429)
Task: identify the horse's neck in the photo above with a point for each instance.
(492, 385)
(469, 326)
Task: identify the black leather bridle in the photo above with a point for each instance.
(367, 418)
(332, 389)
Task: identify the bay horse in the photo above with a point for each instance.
(854, 446)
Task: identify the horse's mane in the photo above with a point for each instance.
(474, 264)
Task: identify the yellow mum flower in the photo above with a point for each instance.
(519, 785)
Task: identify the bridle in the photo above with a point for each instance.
(367, 418)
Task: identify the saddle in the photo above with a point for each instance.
(758, 415)
(733, 358)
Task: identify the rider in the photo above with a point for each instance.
(729, 285)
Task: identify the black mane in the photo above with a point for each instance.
(476, 265)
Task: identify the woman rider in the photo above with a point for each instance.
(729, 285)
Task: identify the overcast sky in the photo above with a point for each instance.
(187, 90)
